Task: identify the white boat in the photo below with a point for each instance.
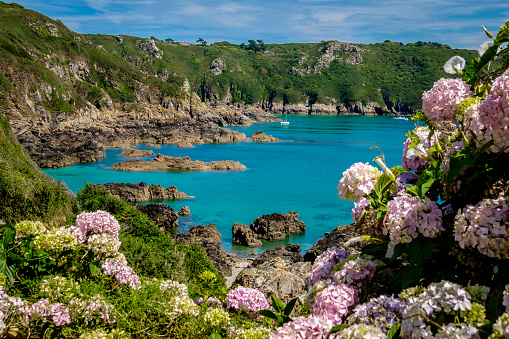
(400, 117)
(285, 122)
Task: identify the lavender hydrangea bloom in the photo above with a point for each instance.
(440, 103)
(354, 271)
(44, 309)
(408, 215)
(358, 181)
(247, 299)
(485, 227)
(316, 327)
(492, 120)
(413, 159)
(382, 312)
(324, 264)
(119, 268)
(359, 208)
(9, 306)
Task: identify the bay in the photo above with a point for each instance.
(300, 173)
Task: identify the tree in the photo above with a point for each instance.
(262, 45)
(170, 40)
(254, 46)
(201, 41)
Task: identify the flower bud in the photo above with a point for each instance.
(487, 32)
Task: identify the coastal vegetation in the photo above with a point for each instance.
(434, 228)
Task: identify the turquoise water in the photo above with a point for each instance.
(298, 174)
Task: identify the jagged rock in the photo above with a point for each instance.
(216, 67)
(150, 47)
(133, 192)
(162, 215)
(338, 237)
(208, 238)
(259, 136)
(277, 277)
(136, 153)
(185, 144)
(243, 235)
(165, 163)
(119, 39)
(275, 226)
(185, 211)
(290, 252)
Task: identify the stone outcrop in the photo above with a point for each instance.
(166, 163)
(338, 237)
(275, 226)
(243, 235)
(136, 153)
(216, 67)
(290, 252)
(162, 215)
(282, 278)
(259, 136)
(208, 238)
(133, 192)
(184, 211)
(150, 47)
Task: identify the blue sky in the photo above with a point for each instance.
(457, 23)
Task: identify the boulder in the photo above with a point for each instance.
(162, 215)
(290, 253)
(243, 235)
(166, 163)
(208, 238)
(259, 136)
(338, 238)
(185, 211)
(275, 226)
(282, 278)
(133, 192)
(185, 144)
(136, 153)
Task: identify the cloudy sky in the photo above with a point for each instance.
(457, 23)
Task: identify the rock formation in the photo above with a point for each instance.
(184, 211)
(275, 226)
(290, 252)
(166, 163)
(136, 153)
(208, 238)
(162, 215)
(143, 192)
(338, 238)
(259, 136)
(243, 235)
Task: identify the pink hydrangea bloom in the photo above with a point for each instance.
(324, 264)
(119, 268)
(359, 208)
(315, 327)
(354, 271)
(97, 222)
(334, 302)
(247, 299)
(358, 181)
(408, 215)
(413, 159)
(56, 312)
(440, 103)
(492, 120)
(485, 226)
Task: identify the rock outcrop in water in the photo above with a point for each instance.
(136, 153)
(165, 163)
(143, 192)
(162, 215)
(259, 136)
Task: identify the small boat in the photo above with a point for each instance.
(400, 117)
(285, 122)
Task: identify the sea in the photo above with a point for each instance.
(299, 173)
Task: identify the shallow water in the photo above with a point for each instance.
(299, 173)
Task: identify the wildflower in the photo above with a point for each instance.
(484, 47)
(454, 65)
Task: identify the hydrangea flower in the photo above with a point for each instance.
(354, 270)
(103, 244)
(382, 312)
(58, 288)
(304, 328)
(358, 181)
(324, 264)
(408, 215)
(501, 327)
(253, 333)
(505, 300)
(119, 268)
(44, 309)
(492, 120)
(334, 302)
(247, 299)
(485, 227)
(177, 306)
(174, 287)
(8, 308)
(440, 103)
(97, 222)
(55, 240)
(359, 208)
(90, 308)
(29, 228)
(361, 331)
(217, 317)
(413, 159)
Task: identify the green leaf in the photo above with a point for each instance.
(278, 305)
(215, 336)
(9, 235)
(289, 307)
(394, 330)
(268, 314)
(336, 329)
(94, 270)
